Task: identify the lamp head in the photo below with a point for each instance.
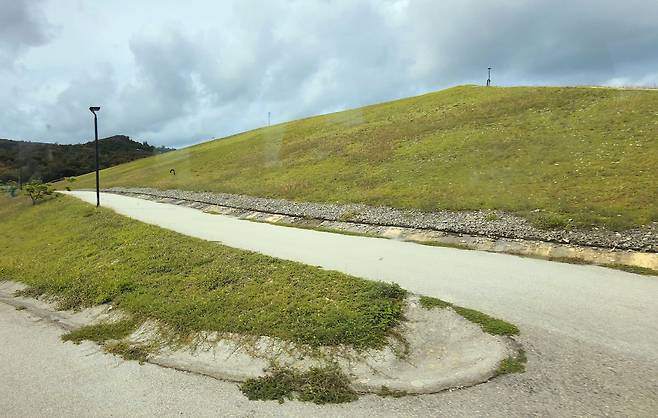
(94, 109)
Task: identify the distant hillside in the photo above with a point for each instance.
(48, 162)
(558, 156)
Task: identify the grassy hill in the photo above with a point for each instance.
(37, 160)
(587, 154)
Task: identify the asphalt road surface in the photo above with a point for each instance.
(591, 333)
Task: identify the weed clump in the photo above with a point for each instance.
(386, 392)
(317, 385)
(549, 220)
(391, 291)
(129, 351)
(101, 332)
(491, 217)
(348, 216)
(30, 292)
(513, 364)
(277, 386)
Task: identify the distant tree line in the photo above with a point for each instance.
(22, 161)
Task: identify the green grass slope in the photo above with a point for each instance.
(587, 154)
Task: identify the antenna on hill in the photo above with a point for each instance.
(489, 77)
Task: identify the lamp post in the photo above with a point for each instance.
(93, 110)
(489, 77)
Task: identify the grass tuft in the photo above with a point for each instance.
(549, 220)
(386, 392)
(277, 386)
(429, 302)
(101, 332)
(348, 216)
(488, 324)
(513, 364)
(491, 217)
(130, 351)
(30, 292)
(317, 385)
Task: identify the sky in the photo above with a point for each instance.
(176, 73)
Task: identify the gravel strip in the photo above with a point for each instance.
(465, 222)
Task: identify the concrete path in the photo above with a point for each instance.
(594, 304)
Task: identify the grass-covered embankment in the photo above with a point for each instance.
(86, 256)
(581, 156)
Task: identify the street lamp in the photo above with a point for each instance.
(489, 77)
(93, 110)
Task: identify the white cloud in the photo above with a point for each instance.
(648, 80)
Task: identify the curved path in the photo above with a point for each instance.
(590, 333)
(598, 305)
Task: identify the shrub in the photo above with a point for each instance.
(38, 191)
